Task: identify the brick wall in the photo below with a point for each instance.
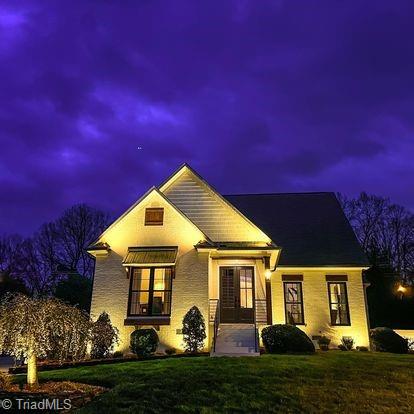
(316, 304)
(190, 286)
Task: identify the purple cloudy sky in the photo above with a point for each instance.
(258, 96)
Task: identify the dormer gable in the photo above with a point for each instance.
(205, 207)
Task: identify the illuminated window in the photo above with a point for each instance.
(150, 292)
(338, 303)
(154, 216)
(293, 303)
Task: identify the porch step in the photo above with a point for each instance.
(236, 340)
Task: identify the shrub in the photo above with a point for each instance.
(5, 381)
(118, 354)
(170, 351)
(144, 342)
(31, 328)
(279, 339)
(194, 330)
(104, 337)
(362, 348)
(347, 342)
(324, 342)
(342, 347)
(386, 340)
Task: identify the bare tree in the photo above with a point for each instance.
(10, 253)
(385, 231)
(57, 250)
(75, 230)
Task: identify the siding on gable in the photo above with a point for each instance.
(211, 214)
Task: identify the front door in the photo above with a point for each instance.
(236, 294)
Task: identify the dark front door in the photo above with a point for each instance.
(236, 294)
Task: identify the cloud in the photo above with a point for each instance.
(258, 96)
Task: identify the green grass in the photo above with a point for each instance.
(334, 381)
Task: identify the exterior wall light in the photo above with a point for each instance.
(401, 290)
(268, 274)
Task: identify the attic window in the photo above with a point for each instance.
(154, 216)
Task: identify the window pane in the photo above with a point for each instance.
(242, 279)
(339, 304)
(246, 288)
(161, 303)
(293, 293)
(162, 279)
(141, 279)
(139, 303)
(335, 293)
(249, 299)
(294, 313)
(243, 300)
(249, 278)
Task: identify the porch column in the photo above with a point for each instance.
(269, 299)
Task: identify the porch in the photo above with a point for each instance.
(239, 296)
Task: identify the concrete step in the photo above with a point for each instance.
(236, 340)
(234, 354)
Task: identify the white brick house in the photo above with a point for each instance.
(245, 261)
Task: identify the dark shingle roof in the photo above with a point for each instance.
(311, 228)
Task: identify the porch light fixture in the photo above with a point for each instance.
(401, 289)
(268, 274)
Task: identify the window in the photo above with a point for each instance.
(150, 292)
(154, 216)
(293, 303)
(338, 303)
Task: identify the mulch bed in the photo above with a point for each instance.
(49, 397)
(48, 366)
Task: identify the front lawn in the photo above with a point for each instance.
(334, 381)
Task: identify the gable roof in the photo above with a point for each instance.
(176, 189)
(311, 228)
(140, 200)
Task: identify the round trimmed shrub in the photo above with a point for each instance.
(144, 342)
(387, 340)
(279, 339)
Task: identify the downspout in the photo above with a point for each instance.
(268, 279)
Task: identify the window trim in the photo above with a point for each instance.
(154, 223)
(347, 303)
(150, 292)
(301, 301)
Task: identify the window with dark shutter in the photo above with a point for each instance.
(154, 216)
